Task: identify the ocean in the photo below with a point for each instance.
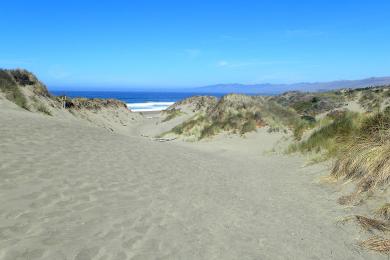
(137, 101)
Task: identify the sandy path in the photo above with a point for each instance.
(69, 191)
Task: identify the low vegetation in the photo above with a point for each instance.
(371, 99)
(11, 90)
(43, 109)
(377, 243)
(378, 229)
(171, 114)
(329, 134)
(292, 111)
(384, 212)
(190, 127)
(311, 103)
(371, 225)
(240, 123)
(201, 126)
(359, 144)
(366, 157)
(240, 114)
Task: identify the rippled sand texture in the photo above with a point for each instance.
(72, 191)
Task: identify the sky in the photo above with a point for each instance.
(162, 44)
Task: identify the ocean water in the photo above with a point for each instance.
(137, 101)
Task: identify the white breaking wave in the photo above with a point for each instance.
(149, 106)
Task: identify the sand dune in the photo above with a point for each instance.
(69, 190)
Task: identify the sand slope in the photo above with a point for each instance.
(72, 191)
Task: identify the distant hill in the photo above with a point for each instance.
(303, 86)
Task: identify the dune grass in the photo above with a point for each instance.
(377, 243)
(370, 224)
(373, 226)
(244, 119)
(306, 106)
(202, 127)
(210, 130)
(366, 162)
(248, 126)
(43, 109)
(241, 123)
(329, 135)
(193, 126)
(282, 118)
(366, 158)
(171, 114)
(371, 100)
(384, 212)
(360, 145)
(11, 90)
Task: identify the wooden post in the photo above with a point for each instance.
(63, 99)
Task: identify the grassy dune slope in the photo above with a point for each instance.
(240, 114)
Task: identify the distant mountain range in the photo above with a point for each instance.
(304, 86)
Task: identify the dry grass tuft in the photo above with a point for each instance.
(328, 179)
(384, 212)
(351, 199)
(366, 157)
(377, 243)
(365, 161)
(370, 225)
(367, 224)
(43, 109)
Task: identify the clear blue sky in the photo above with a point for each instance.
(111, 44)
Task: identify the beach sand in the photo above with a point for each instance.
(69, 190)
